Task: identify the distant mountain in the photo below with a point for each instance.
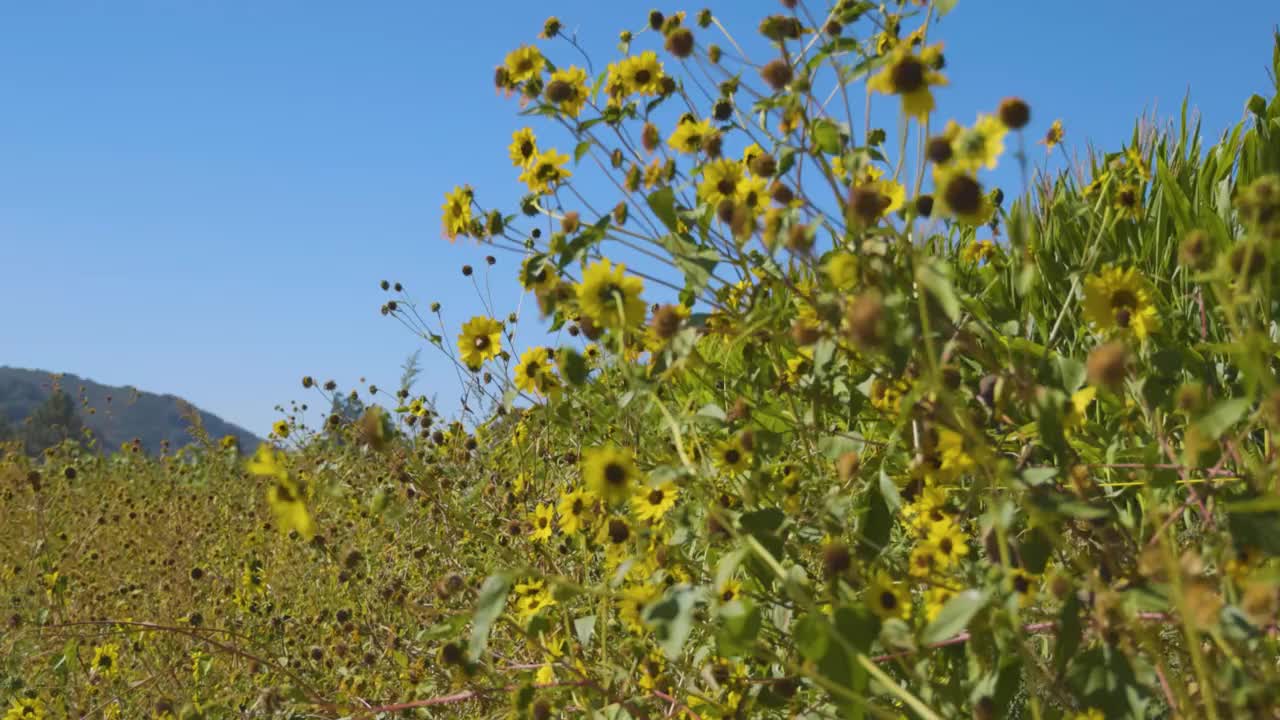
(115, 414)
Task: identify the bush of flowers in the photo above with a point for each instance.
(824, 425)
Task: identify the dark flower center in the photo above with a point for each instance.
(1021, 585)
(1124, 298)
(618, 531)
(732, 456)
(907, 76)
(727, 595)
(964, 195)
(946, 546)
(643, 76)
(655, 497)
(888, 600)
(577, 507)
(725, 186)
(607, 292)
(481, 342)
(615, 474)
(526, 149)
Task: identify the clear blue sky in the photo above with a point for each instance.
(201, 197)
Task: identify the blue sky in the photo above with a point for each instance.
(200, 198)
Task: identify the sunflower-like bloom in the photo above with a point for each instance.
(106, 660)
(947, 542)
(1128, 201)
(979, 146)
(286, 496)
(26, 709)
(535, 373)
(873, 199)
(732, 456)
(610, 472)
(1024, 585)
(568, 90)
(979, 251)
(523, 148)
(524, 63)
(1053, 136)
(280, 428)
(753, 194)
(542, 521)
(910, 76)
(650, 504)
(720, 181)
(539, 274)
(632, 602)
(690, 134)
(610, 297)
(575, 510)
(1120, 301)
(480, 340)
(457, 212)
(934, 600)
(639, 74)
(887, 598)
(546, 171)
(959, 195)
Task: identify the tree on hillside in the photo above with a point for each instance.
(6, 430)
(52, 422)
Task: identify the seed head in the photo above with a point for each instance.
(777, 73)
(964, 195)
(836, 559)
(666, 321)
(866, 319)
(680, 42)
(1015, 113)
(938, 150)
(1108, 364)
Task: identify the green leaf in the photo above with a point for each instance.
(739, 627)
(934, 279)
(1039, 476)
(584, 627)
(954, 616)
(696, 262)
(811, 634)
(877, 523)
(489, 606)
(573, 365)
(663, 204)
(764, 521)
(672, 620)
(1177, 200)
(1070, 633)
(1222, 416)
(826, 136)
(581, 150)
